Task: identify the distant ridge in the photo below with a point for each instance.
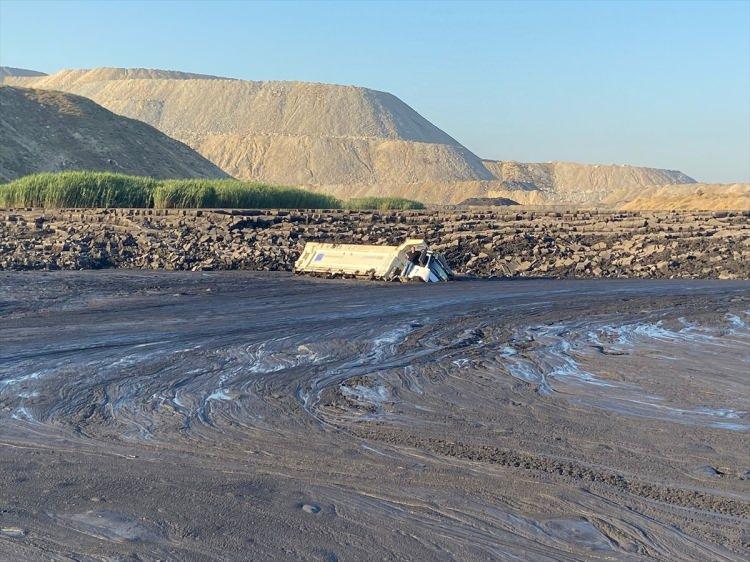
(48, 131)
(580, 183)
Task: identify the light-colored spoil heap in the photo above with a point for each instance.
(346, 140)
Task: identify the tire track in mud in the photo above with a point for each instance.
(681, 497)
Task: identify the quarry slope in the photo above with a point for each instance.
(345, 140)
(47, 131)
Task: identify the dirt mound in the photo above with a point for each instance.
(48, 131)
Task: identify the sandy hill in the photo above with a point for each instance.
(44, 131)
(346, 140)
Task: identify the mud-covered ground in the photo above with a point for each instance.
(239, 415)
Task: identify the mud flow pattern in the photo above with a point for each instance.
(553, 419)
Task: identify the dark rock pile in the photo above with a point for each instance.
(476, 242)
(487, 202)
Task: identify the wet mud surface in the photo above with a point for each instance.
(238, 415)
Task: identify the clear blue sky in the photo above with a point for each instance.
(658, 84)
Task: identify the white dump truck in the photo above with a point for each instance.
(412, 260)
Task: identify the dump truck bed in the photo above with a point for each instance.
(370, 261)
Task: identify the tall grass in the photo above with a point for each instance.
(78, 189)
(102, 189)
(383, 203)
(237, 194)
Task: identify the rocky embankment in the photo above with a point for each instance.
(483, 243)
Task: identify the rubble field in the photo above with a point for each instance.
(487, 243)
